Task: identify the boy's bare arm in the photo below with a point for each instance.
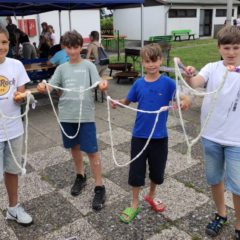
(123, 101)
(195, 81)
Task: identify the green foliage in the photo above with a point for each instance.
(106, 23)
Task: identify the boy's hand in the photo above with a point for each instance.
(185, 102)
(41, 87)
(19, 97)
(103, 85)
(189, 72)
(113, 105)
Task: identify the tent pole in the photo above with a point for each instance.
(69, 17)
(142, 32)
(60, 22)
(229, 12)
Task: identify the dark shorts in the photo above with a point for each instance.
(156, 154)
(86, 138)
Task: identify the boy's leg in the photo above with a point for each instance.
(135, 201)
(96, 167)
(215, 168)
(81, 180)
(232, 155)
(236, 202)
(157, 158)
(100, 192)
(14, 211)
(11, 183)
(218, 198)
(78, 159)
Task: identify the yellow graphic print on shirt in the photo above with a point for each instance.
(4, 85)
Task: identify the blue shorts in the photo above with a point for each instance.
(86, 138)
(222, 163)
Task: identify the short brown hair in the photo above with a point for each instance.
(151, 51)
(72, 39)
(4, 31)
(228, 35)
(95, 35)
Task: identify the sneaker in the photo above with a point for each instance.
(99, 198)
(216, 225)
(18, 214)
(79, 184)
(237, 234)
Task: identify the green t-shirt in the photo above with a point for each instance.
(76, 76)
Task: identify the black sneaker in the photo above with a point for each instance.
(79, 184)
(216, 225)
(99, 198)
(237, 234)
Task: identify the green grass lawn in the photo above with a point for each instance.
(196, 53)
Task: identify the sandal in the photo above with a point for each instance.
(156, 204)
(129, 214)
(216, 225)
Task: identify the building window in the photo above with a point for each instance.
(223, 12)
(182, 13)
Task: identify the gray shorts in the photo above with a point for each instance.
(7, 163)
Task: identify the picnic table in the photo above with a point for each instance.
(177, 34)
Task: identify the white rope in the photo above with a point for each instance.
(109, 99)
(30, 99)
(215, 94)
(81, 92)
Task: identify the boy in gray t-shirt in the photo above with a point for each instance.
(79, 74)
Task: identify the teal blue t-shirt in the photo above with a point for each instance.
(59, 57)
(76, 76)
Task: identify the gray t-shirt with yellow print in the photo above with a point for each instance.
(78, 77)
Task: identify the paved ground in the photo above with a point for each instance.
(44, 191)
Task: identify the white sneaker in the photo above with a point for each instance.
(18, 214)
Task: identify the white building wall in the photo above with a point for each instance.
(128, 22)
(84, 21)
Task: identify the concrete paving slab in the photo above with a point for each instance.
(77, 230)
(50, 212)
(83, 202)
(6, 233)
(196, 221)
(170, 234)
(30, 186)
(194, 177)
(48, 157)
(120, 135)
(174, 138)
(108, 224)
(61, 175)
(179, 199)
(107, 159)
(178, 162)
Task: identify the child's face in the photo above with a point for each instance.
(150, 66)
(73, 53)
(4, 47)
(230, 53)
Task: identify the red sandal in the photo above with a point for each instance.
(156, 204)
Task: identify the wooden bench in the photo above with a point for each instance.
(177, 34)
(126, 74)
(119, 67)
(165, 38)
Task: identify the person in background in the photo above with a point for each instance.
(52, 37)
(92, 51)
(28, 50)
(59, 57)
(12, 39)
(43, 51)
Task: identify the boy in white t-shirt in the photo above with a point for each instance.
(221, 138)
(13, 77)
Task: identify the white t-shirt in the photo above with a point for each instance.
(12, 76)
(224, 124)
